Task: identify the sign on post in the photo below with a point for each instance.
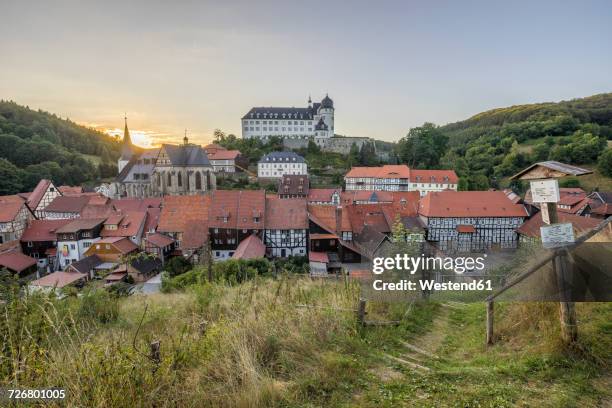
(557, 235)
(545, 191)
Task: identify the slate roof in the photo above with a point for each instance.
(285, 214)
(282, 157)
(250, 247)
(470, 204)
(10, 206)
(86, 264)
(186, 155)
(146, 265)
(42, 230)
(277, 113)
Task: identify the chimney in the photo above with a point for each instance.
(339, 220)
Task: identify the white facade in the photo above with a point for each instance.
(285, 243)
(315, 121)
(72, 251)
(278, 164)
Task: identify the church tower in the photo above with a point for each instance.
(127, 150)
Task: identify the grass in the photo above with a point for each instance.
(294, 342)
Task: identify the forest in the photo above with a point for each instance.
(490, 146)
(37, 144)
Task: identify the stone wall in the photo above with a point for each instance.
(340, 145)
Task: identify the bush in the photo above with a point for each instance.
(605, 163)
(177, 266)
(99, 305)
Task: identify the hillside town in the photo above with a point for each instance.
(164, 203)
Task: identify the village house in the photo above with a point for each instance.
(293, 186)
(140, 269)
(65, 207)
(112, 249)
(286, 227)
(235, 215)
(225, 161)
(17, 263)
(159, 245)
(74, 238)
(129, 225)
(14, 217)
(529, 231)
(324, 196)
(185, 220)
(39, 241)
(57, 281)
(86, 266)
(465, 221)
(275, 165)
(250, 248)
(42, 195)
(600, 205)
(400, 178)
(571, 200)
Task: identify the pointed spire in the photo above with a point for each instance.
(127, 150)
(185, 140)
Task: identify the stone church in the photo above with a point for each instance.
(167, 170)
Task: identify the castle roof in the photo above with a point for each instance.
(186, 155)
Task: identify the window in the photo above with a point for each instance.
(169, 180)
(30, 244)
(198, 181)
(72, 246)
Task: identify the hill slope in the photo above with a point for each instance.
(37, 144)
(492, 145)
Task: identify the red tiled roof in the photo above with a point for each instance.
(68, 204)
(159, 240)
(433, 176)
(80, 224)
(250, 248)
(387, 171)
(323, 236)
(98, 200)
(469, 204)
(123, 245)
(137, 204)
(361, 274)
(350, 197)
(70, 190)
(16, 261)
(368, 214)
(284, 214)
(564, 193)
(321, 194)
(318, 257)
(213, 146)
(128, 224)
(96, 211)
(325, 217)
(38, 193)
(224, 155)
(9, 207)
(152, 220)
(195, 235)
(58, 279)
(239, 207)
(603, 209)
(466, 229)
(180, 211)
(531, 227)
(42, 230)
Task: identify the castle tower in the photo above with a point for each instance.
(326, 110)
(127, 150)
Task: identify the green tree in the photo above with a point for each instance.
(605, 163)
(423, 146)
(10, 178)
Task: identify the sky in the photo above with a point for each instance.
(388, 65)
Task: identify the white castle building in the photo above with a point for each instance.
(315, 121)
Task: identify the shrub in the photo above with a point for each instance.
(177, 266)
(98, 305)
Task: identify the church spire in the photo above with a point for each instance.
(126, 147)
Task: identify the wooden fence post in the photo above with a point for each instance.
(490, 313)
(361, 312)
(155, 354)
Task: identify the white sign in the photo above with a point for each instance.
(557, 235)
(545, 191)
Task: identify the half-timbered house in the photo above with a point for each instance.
(286, 227)
(14, 217)
(464, 221)
(42, 195)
